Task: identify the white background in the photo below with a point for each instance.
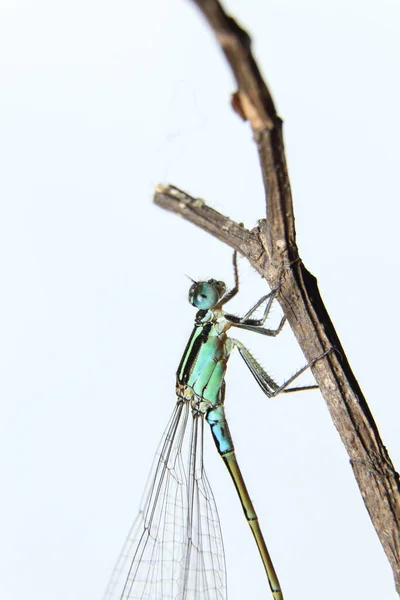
(100, 101)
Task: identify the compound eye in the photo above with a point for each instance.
(203, 295)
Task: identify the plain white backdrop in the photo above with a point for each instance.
(99, 102)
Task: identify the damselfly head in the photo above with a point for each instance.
(206, 294)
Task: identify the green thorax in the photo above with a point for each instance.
(203, 365)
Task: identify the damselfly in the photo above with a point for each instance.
(175, 548)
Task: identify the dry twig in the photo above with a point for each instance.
(271, 249)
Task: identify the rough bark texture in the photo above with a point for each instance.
(271, 248)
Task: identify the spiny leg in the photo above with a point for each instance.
(271, 295)
(250, 326)
(266, 383)
(231, 293)
(256, 325)
(312, 362)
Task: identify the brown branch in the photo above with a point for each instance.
(271, 248)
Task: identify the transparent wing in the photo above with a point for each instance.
(203, 574)
(174, 550)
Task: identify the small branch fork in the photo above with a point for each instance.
(271, 249)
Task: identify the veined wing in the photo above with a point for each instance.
(203, 575)
(174, 550)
